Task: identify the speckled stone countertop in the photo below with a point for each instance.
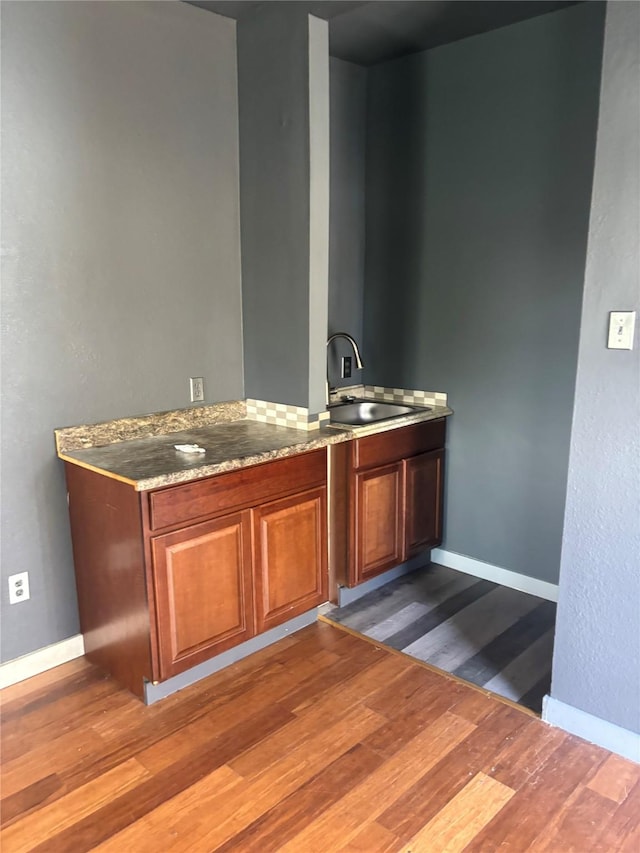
(140, 450)
(149, 463)
(147, 426)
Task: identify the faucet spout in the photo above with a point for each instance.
(356, 352)
(356, 349)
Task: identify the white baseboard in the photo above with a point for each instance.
(505, 577)
(41, 660)
(595, 730)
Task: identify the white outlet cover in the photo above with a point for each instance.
(18, 587)
(196, 386)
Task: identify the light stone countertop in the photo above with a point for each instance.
(151, 461)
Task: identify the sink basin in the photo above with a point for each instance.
(369, 411)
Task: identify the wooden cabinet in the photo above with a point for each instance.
(379, 535)
(396, 489)
(423, 496)
(168, 578)
(290, 557)
(204, 590)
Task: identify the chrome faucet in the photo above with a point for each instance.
(356, 352)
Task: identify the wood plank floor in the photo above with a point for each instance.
(495, 637)
(323, 742)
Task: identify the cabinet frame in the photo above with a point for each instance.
(412, 451)
(117, 533)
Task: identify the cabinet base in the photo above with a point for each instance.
(348, 594)
(155, 692)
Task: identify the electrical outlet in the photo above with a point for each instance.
(196, 384)
(346, 366)
(19, 588)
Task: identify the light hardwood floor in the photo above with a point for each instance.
(323, 742)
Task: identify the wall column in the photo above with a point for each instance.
(283, 77)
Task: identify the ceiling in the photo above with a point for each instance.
(372, 32)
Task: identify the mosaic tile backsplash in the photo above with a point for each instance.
(281, 414)
(392, 395)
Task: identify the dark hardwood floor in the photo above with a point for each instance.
(322, 742)
(495, 637)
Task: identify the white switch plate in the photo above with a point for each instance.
(621, 326)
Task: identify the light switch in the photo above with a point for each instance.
(621, 326)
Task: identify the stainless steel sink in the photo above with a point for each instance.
(362, 412)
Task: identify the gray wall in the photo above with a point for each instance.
(347, 222)
(278, 100)
(596, 665)
(121, 271)
(479, 170)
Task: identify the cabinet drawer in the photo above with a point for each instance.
(396, 444)
(245, 487)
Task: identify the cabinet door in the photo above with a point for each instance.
(203, 590)
(290, 557)
(378, 533)
(423, 505)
